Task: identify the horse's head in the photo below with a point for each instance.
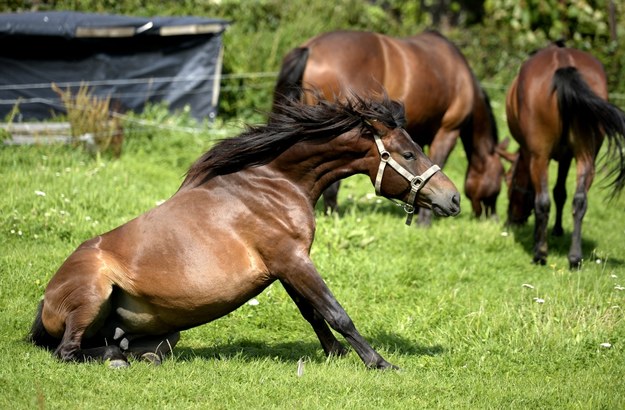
(485, 170)
(402, 171)
(520, 189)
(483, 184)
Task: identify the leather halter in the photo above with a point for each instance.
(416, 181)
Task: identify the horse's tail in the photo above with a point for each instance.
(289, 84)
(38, 334)
(589, 116)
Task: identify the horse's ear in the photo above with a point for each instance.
(504, 144)
(502, 150)
(377, 127)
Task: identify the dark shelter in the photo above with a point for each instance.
(133, 60)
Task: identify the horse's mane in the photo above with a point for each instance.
(293, 122)
(491, 116)
(466, 134)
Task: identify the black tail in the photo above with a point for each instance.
(289, 84)
(38, 334)
(589, 116)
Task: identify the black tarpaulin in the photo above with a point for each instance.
(132, 60)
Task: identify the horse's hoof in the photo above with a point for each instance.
(383, 365)
(340, 352)
(575, 264)
(152, 358)
(539, 260)
(118, 364)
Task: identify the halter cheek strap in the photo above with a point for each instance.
(416, 181)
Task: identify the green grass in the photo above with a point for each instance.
(446, 304)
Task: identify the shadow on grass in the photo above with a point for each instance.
(293, 351)
(251, 350)
(403, 346)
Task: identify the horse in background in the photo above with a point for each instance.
(429, 75)
(557, 108)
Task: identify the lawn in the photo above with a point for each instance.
(458, 307)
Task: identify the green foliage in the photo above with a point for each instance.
(263, 32)
(495, 35)
(537, 20)
(512, 29)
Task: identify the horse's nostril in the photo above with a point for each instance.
(456, 199)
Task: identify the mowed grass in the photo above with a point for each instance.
(459, 307)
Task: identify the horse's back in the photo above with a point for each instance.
(446, 76)
(341, 62)
(426, 72)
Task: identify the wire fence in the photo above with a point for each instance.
(256, 81)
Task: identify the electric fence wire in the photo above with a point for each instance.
(248, 81)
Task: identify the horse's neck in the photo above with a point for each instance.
(479, 143)
(316, 165)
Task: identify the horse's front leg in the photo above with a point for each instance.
(306, 284)
(331, 346)
(585, 176)
(330, 198)
(444, 141)
(539, 175)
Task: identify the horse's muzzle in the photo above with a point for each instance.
(448, 207)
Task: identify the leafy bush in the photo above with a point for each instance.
(263, 31)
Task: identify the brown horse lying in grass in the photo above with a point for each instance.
(429, 75)
(243, 218)
(557, 108)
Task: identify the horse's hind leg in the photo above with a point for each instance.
(331, 346)
(585, 176)
(559, 193)
(70, 347)
(77, 305)
(150, 348)
(539, 167)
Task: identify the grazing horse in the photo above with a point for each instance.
(557, 109)
(242, 218)
(429, 75)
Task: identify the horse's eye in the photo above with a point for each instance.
(408, 155)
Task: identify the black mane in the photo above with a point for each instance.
(491, 117)
(293, 122)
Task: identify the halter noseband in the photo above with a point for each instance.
(416, 181)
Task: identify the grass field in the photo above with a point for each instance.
(459, 307)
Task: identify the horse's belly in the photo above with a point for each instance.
(187, 303)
